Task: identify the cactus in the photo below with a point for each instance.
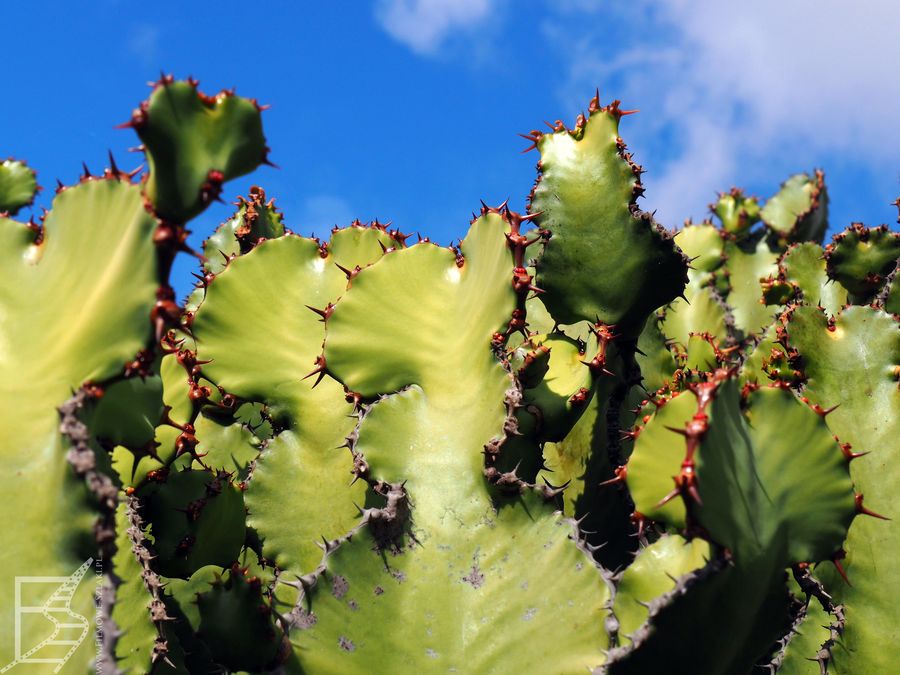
(578, 441)
(18, 186)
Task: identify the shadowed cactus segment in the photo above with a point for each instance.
(575, 442)
(18, 186)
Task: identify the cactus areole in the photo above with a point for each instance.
(659, 451)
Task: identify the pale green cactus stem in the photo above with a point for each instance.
(435, 559)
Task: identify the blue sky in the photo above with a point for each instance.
(408, 110)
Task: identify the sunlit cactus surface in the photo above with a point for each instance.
(578, 441)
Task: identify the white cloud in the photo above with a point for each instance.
(423, 25)
(727, 89)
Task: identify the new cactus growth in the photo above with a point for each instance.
(576, 442)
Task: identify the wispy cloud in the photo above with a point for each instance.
(144, 44)
(319, 213)
(424, 25)
(734, 90)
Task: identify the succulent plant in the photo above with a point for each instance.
(576, 442)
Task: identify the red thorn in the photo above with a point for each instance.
(320, 369)
(324, 313)
(848, 453)
(669, 497)
(836, 559)
(621, 472)
(860, 508)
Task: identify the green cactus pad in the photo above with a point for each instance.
(255, 219)
(137, 632)
(854, 365)
(557, 395)
(889, 298)
(583, 461)
(653, 573)
(226, 446)
(717, 619)
(704, 246)
(128, 412)
(770, 499)
(801, 502)
(702, 312)
(747, 267)
(656, 459)
(194, 143)
(91, 287)
(804, 265)
(196, 518)
(292, 472)
(236, 623)
(283, 277)
(605, 259)
(799, 649)
(737, 212)
(654, 358)
(860, 258)
(445, 575)
(18, 186)
(799, 211)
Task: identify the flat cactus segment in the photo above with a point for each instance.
(804, 266)
(226, 446)
(436, 558)
(799, 211)
(860, 258)
(194, 143)
(290, 277)
(853, 364)
(557, 399)
(702, 312)
(747, 267)
(653, 573)
(91, 287)
(793, 491)
(468, 602)
(196, 518)
(467, 306)
(799, 649)
(746, 482)
(654, 358)
(656, 459)
(280, 278)
(360, 244)
(135, 609)
(255, 219)
(718, 619)
(737, 212)
(605, 260)
(753, 369)
(704, 246)
(586, 461)
(236, 623)
(18, 186)
(128, 413)
(889, 298)
(292, 475)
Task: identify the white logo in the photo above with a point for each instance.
(66, 628)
